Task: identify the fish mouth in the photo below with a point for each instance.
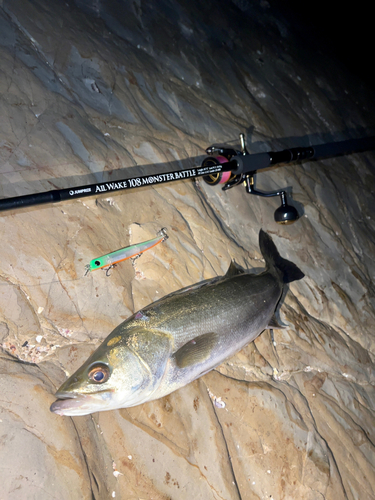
(70, 404)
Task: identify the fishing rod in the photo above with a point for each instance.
(227, 166)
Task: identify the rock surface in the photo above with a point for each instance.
(89, 89)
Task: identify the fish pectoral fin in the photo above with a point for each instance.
(273, 323)
(195, 351)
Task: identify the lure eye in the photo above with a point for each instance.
(99, 374)
(97, 262)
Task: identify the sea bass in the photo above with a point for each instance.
(178, 338)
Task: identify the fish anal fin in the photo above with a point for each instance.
(274, 323)
(196, 350)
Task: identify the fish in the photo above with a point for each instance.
(177, 339)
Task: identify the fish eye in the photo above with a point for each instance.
(99, 374)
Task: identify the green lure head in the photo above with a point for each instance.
(97, 263)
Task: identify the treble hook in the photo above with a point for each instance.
(109, 268)
(133, 259)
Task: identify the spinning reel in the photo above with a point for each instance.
(243, 161)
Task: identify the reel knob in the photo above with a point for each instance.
(285, 214)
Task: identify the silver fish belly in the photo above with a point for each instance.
(177, 339)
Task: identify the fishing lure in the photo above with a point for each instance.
(131, 252)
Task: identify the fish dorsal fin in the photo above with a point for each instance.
(273, 323)
(196, 350)
(233, 270)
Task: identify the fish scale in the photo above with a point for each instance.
(242, 296)
(238, 325)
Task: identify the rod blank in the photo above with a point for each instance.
(107, 187)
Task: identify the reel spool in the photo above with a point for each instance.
(220, 177)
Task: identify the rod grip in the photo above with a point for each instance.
(29, 200)
(251, 163)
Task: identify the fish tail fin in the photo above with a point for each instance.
(287, 270)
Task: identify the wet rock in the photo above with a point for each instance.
(102, 92)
